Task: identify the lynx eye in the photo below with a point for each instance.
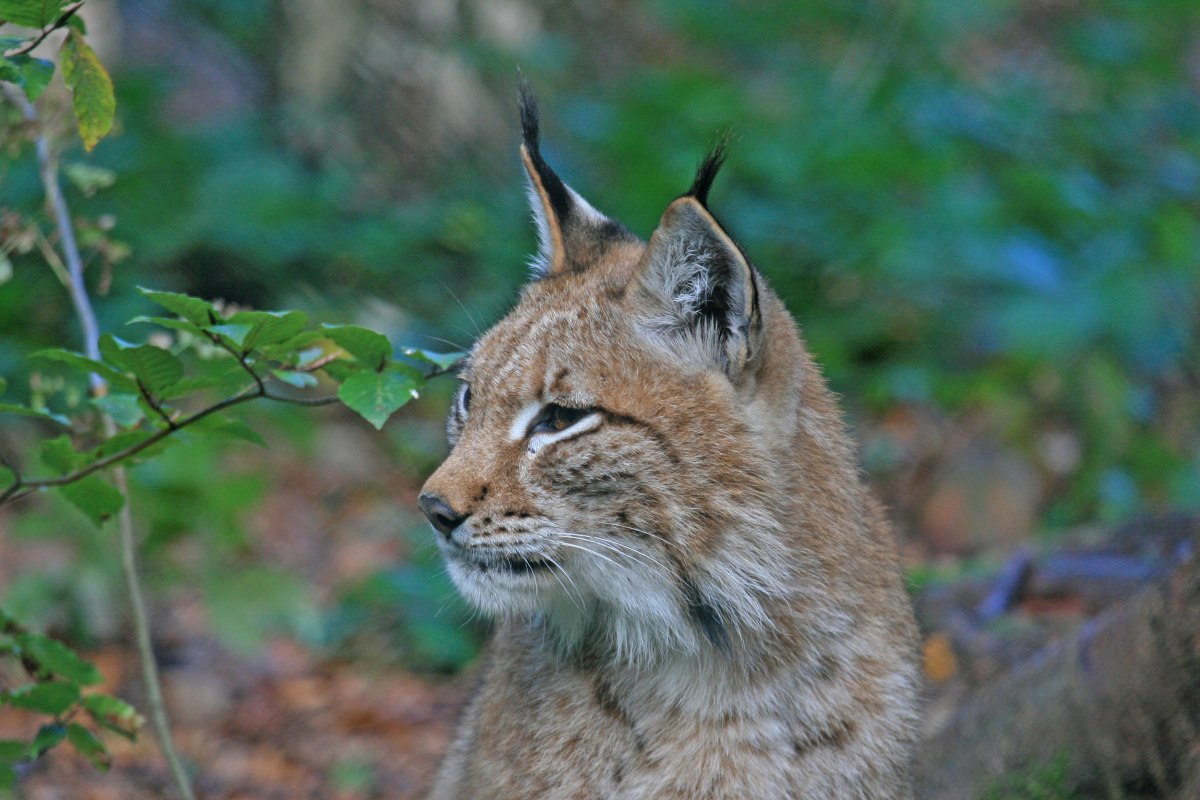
(464, 399)
(555, 418)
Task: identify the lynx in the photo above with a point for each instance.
(651, 490)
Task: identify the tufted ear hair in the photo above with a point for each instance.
(571, 233)
(697, 289)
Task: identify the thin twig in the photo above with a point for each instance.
(52, 258)
(66, 14)
(91, 337)
(241, 359)
(22, 487)
(141, 627)
(27, 486)
(154, 404)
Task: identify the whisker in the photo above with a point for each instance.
(613, 548)
(456, 345)
(642, 531)
(578, 602)
(645, 559)
(650, 534)
(616, 564)
(446, 286)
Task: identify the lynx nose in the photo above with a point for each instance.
(440, 514)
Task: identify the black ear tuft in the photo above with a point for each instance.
(707, 170)
(529, 119)
(557, 194)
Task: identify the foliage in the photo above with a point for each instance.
(239, 355)
(1048, 781)
(58, 680)
(91, 88)
(143, 398)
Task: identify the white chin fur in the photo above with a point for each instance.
(620, 598)
(498, 593)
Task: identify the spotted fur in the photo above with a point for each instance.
(652, 491)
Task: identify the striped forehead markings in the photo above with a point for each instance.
(523, 347)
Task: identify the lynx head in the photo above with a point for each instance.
(616, 438)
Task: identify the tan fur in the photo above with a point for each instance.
(722, 616)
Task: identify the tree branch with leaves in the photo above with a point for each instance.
(203, 361)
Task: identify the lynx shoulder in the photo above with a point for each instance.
(652, 492)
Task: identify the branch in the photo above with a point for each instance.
(66, 14)
(241, 359)
(62, 219)
(91, 337)
(158, 409)
(23, 487)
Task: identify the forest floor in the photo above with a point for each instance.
(292, 720)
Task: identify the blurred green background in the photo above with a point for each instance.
(985, 215)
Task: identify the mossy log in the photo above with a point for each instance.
(1120, 701)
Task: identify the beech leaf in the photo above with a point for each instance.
(91, 89)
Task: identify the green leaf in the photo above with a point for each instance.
(225, 428)
(112, 350)
(8, 778)
(369, 347)
(115, 379)
(223, 375)
(276, 327)
(251, 318)
(114, 714)
(340, 369)
(91, 89)
(31, 13)
(301, 380)
(193, 309)
(3, 385)
(157, 369)
(31, 74)
(52, 697)
(440, 360)
(167, 322)
(235, 332)
(58, 659)
(48, 736)
(375, 395)
(25, 411)
(95, 497)
(123, 408)
(293, 349)
(13, 750)
(89, 746)
(59, 454)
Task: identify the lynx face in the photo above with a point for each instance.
(611, 471)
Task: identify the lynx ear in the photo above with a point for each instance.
(699, 290)
(570, 231)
